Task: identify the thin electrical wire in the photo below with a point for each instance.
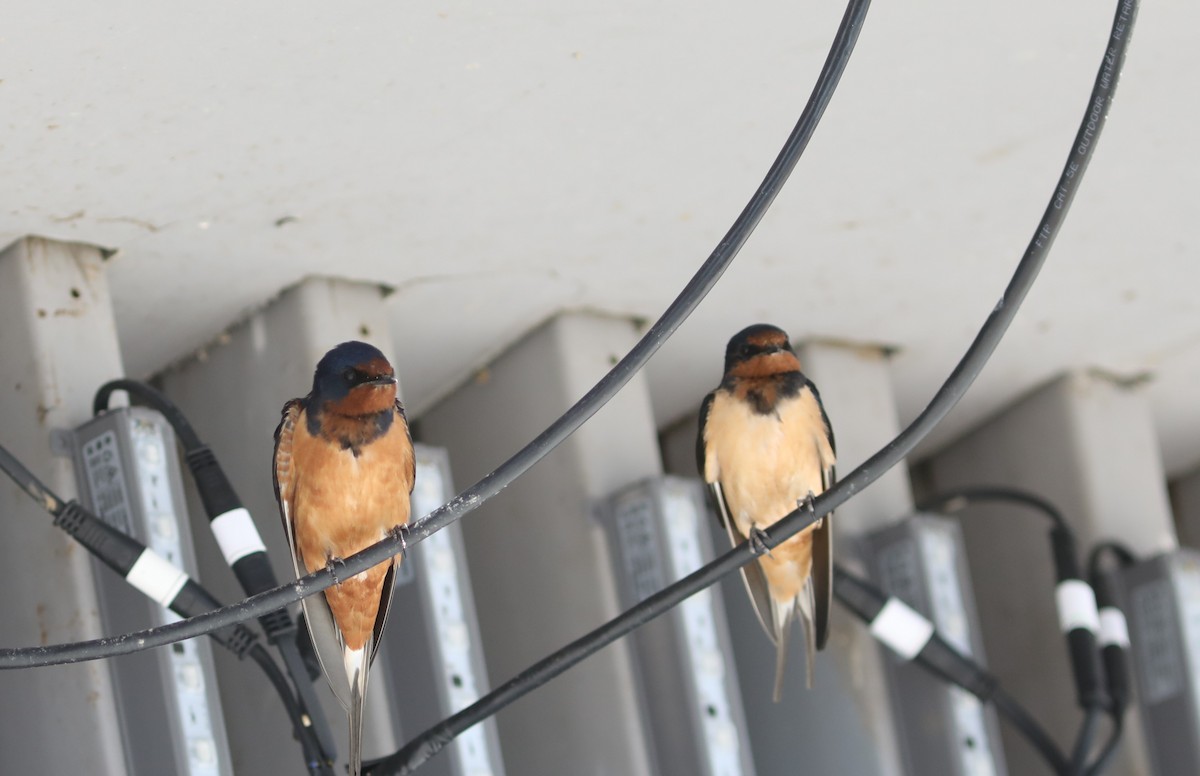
(493, 483)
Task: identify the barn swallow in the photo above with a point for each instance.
(344, 471)
(765, 447)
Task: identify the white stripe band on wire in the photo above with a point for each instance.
(902, 628)
(1113, 628)
(156, 576)
(236, 535)
(1077, 606)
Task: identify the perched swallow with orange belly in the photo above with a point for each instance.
(765, 447)
(344, 471)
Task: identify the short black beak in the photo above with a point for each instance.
(382, 380)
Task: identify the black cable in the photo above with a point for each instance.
(24, 478)
(122, 554)
(947, 396)
(1081, 634)
(954, 499)
(1114, 645)
(1085, 738)
(493, 483)
(1104, 759)
(250, 566)
(1087, 663)
(943, 660)
(152, 398)
(314, 758)
(1022, 721)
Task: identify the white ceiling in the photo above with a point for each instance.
(495, 163)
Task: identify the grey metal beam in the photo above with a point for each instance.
(58, 342)
(542, 569)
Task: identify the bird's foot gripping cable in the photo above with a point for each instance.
(808, 504)
(759, 542)
(335, 565)
(400, 533)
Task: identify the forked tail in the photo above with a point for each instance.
(358, 665)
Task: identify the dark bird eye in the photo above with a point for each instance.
(348, 375)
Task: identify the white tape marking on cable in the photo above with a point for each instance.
(902, 628)
(156, 576)
(236, 535)
(1077, 606)
(1113, 628)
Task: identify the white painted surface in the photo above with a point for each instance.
(495, 163)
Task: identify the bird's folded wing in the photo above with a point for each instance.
(326, 638)
(752, 573)
(822, 569)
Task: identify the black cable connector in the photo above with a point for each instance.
(170, 587)
(238, 539)
(1080, 621)
(914, 638)
(149, 572)
(1076, 603)
(1114, 642)
(233, 527)
(1114, 630)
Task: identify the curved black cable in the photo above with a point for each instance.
(1104, 759)
(946, 397)
(1087, 664)
(493, 483)
(154, 398)
(964, 373)
(955, 499)
(1016, 715)
(313, 756)
(1085, 738)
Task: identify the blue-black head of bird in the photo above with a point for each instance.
(760, 351)
(353, 394)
